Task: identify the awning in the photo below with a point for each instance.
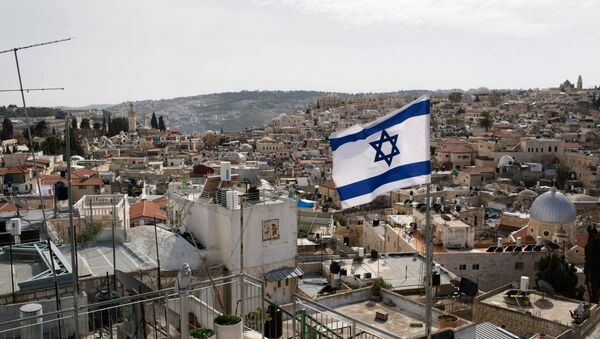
(284, 273)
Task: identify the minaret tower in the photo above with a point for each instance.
(131, 118)
(579, 83)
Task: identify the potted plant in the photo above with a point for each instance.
(202, 333)
(447, 321)
(229, 326)
(378, 284)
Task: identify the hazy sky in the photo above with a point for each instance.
(134, 50)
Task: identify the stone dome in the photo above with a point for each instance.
(528, 194)
(506, 160)
(553, 207)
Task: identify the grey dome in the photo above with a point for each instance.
(553, 207)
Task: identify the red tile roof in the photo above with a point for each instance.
(328, 184)
(18, 170)
(147, 209)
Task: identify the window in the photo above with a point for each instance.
(278, 283)
(475, 266)
(462, 267)
(519, 266)
(287, 282)
(546, 233)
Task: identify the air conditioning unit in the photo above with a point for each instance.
(15, 226)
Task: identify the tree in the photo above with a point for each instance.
(591, 268)
(53, 131)
(477, 98)
(555, 270)
(118, 125)
(495, 99)
(562, 175)
(53, 145)
(85, 123)
(485, 121)
(455, 97)
(74, 123)
(7, 129)
(40, 129)
(161, 124)
(153, 121)
(97, 126)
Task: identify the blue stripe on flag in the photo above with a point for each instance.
(369, 185)
(419, 108)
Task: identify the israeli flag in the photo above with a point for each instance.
(389, 153)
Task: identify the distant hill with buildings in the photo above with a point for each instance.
(232, 110)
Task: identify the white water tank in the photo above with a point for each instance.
(538, 241)
(225, 171)
(361, 252)
(499, 244)
(518, 241)
(232, 199)
(524, 286)
(15, 226)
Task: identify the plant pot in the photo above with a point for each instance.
(447, 321)
(235, 331)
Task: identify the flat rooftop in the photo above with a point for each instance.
(399, 320)
(402, 271)
(545, 307)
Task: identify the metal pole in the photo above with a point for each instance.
(157, 255)
(56, 292)
(183, 310)
(242, 287)
(428, 264)
(12, 271)
(91, 214)
(74, 262)
(114, 252)
(30, 138)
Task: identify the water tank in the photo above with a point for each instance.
(274, 323)
(519, 241)
(15, 226)
(524, 284)
(361, 252)
(225, 171)
(374, 254)
(499, 242)
(334, 267)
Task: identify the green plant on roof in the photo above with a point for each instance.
(227, 319)
(201, 333)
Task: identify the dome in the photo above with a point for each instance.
(582, 198)
(553, 207)
(528, 194)
(506, 160)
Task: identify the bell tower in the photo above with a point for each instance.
(131, 119)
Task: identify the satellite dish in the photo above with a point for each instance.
(545, 287)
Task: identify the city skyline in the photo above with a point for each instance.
(151, 50)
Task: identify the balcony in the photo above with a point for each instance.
(157, 314)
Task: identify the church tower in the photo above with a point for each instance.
(131, 118)
(579, 83)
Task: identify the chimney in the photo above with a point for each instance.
(519, 241)
(499, 242)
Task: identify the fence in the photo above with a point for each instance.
(149, 314)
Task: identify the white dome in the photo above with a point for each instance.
(553, 207)
(506, 160)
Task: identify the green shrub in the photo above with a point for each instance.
(227, 319)
(201, 333)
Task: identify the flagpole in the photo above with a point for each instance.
(428, 264)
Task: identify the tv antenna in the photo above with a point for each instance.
(22, 90)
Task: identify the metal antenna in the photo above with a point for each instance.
(39, 184)
(34, 89)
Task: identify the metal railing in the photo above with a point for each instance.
(149, 314)
(314, 320)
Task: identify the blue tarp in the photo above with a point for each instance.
(303, 203)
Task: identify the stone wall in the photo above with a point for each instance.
(494, 269)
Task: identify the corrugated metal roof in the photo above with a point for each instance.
(284, 273)
(491, 331)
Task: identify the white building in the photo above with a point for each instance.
(213, 217)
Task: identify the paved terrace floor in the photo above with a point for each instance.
(541, 307)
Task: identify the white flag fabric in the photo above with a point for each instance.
(389, 153)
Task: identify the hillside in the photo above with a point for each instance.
(230, 111)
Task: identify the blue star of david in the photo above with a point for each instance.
(377, 145)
